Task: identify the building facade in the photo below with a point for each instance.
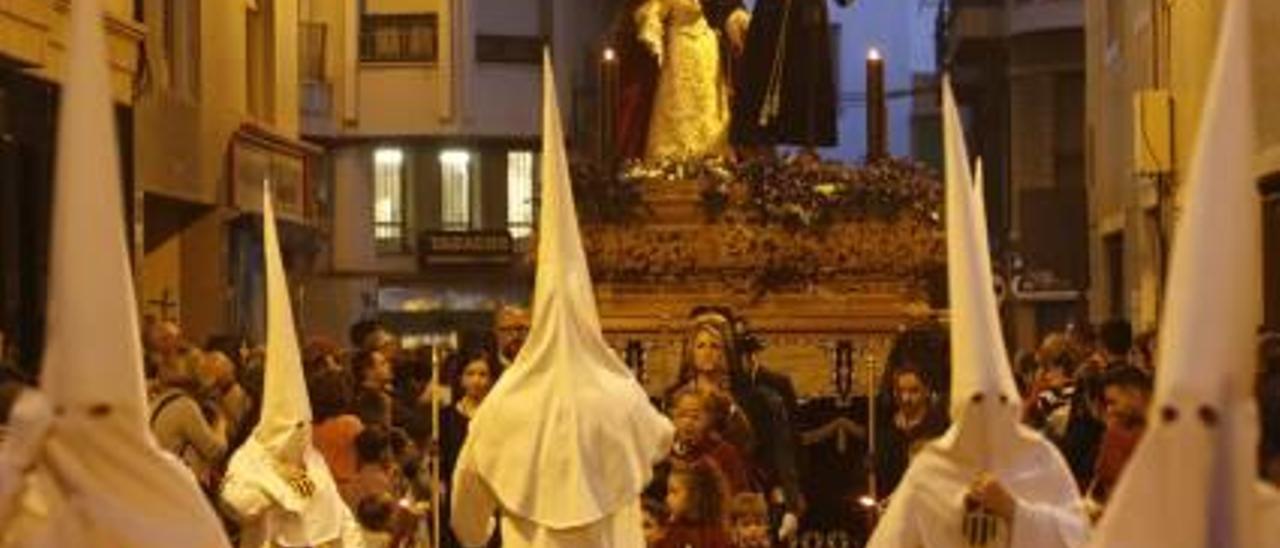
(428, 112)
(1018, 70)
(1148, 65)
(217, 117)
(32, 57)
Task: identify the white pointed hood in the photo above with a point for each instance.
(1190, 482)
(567, 436)
(283, 432)
(110, 484)
(284, 426)
(984, 397)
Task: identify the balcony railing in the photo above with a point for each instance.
(400, 38)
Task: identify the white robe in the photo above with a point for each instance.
(474, 505)
(272, 515)
(927, 508)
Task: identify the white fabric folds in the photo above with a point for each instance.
(80, 467)
(1192, 479)
(567, 438)
(272, 510)
(928, 507)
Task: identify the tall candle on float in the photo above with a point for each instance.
(877, 114)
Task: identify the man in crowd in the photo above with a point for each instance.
(1116, 336)
(1127, 395)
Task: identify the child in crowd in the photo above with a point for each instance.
(375, 472)
(374, 514)
(694, 415)
(654, 521)
(749, 521)
(696, 500)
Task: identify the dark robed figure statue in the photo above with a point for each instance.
(786, 92)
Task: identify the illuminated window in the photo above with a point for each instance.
(388, 199)
(520, 193)
(455, 189)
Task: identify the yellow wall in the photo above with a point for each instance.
(181, 151)
(161, 272)
(1118, 198)
(34, 32)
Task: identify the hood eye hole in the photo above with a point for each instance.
(1169, 414)
(1004, 400)
(978, 397)
(100, 410)
(1208, 415)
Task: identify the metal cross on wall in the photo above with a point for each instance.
(165, 303)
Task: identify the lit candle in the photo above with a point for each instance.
(877, 114)
(608, 100)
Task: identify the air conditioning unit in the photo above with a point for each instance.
(1152, 132)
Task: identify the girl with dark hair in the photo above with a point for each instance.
(473, 373)
(696, 498)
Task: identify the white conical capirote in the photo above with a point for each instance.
(122, 490)
(285, 421)
(978, 359)
(567, 436)
(984, 397)
(283, 432)
(1190, 482)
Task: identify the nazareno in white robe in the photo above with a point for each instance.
(927, 508)
(270, 511)
(272, 514)
(566, 441)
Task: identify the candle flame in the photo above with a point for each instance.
(873, 54)
(609, 55)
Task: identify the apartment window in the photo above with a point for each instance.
(455, 190)
(260, 52)
(388, 200)
(520, 181)
(181, 35)
(399, 38)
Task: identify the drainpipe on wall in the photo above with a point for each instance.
(351, 63)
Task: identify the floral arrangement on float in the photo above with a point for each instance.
(766, 225)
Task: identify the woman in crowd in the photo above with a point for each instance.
(334, 427)
(474, 373)
(756, 423)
